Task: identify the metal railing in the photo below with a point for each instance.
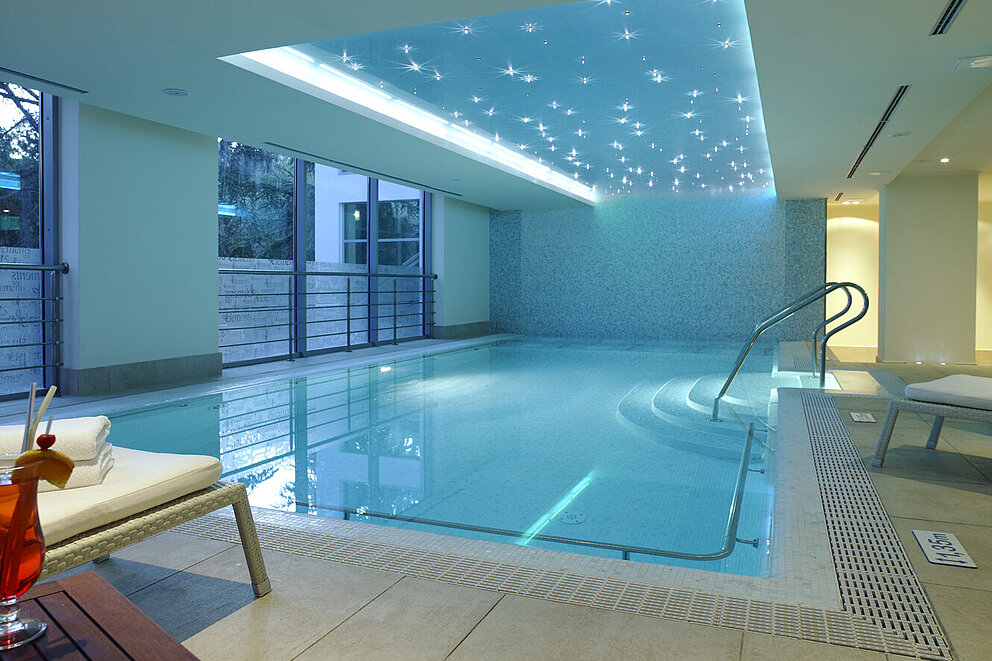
(730, 539)
(792, 308)
(30, 325)
(299, 313)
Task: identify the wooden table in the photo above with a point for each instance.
(88, 619)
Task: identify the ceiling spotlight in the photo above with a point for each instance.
(945, 160)
(175, 91)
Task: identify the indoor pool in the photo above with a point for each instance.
(595, 448)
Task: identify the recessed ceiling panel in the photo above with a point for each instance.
(643, 96)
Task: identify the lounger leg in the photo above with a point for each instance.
(249, 543)
(938, 422)
(885, 435)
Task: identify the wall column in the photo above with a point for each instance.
(139, 231)
(927, 269)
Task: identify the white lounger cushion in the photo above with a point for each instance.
(957, 390)
(138, 481)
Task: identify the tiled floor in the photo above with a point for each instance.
(197, 588)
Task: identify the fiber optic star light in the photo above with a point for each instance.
(564, 87)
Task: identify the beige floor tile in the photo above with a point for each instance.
(520, 628)
(763, 647)
(964, 614)
(954, 502)
(974, 446)
(908, 456)
(140, 565)
(212, 610)
(977, 540)
(414, 619)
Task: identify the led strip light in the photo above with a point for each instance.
(301, 67)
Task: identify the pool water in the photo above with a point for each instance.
(522, 441)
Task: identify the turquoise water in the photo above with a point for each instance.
(523, 436)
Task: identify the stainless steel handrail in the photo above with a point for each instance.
(730, 530)
(806, 299)
(825, 323)
(378, 308)
(355, 274)
(837, 329)
(49, 302)
(61, 268)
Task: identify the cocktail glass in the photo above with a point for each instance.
(22, 552)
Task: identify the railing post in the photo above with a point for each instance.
(394, 309)
(347, 315)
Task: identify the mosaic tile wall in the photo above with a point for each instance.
(705, 268)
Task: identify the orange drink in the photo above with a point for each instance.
(22, 552)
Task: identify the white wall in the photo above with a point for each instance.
(461, 260)
(333, 188)
(983, 327)
(139, 230)
(852, 256)
(928, 269)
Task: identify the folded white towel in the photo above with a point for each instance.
(81, 439)
(86, 473)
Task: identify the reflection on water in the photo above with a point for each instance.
(353, 441)
(516, 436)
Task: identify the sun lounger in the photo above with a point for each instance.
(958, 396)
(144, 494)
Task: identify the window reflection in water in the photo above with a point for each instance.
(353, 441)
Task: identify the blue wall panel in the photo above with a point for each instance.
(656, 267)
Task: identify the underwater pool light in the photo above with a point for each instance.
(555, 510)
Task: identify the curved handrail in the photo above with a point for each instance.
(806, 299)
(827, 336)
(730, 527)
(823, 325)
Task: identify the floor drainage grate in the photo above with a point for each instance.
(888, 380)
(571, 517)
(885, 608)
(874, 575)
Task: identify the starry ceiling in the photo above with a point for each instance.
(641, 96)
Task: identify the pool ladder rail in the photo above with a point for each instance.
(792, 308)
(730, 538)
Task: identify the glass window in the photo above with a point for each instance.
(20, 146)
(20, 238)
(324, 302)
(254, 202)
(255, 224)
(399, 227)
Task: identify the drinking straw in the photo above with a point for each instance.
(41, 412)
(26, 442)
(48, 429)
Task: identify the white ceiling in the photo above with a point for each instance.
(124, 53)
(826, 71)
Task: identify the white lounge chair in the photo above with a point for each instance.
(145, 493)
(958, 396)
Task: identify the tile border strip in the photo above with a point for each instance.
(885, 608)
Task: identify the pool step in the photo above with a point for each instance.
(664, 412)
(688, 430)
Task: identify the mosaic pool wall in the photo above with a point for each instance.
(705, 269)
